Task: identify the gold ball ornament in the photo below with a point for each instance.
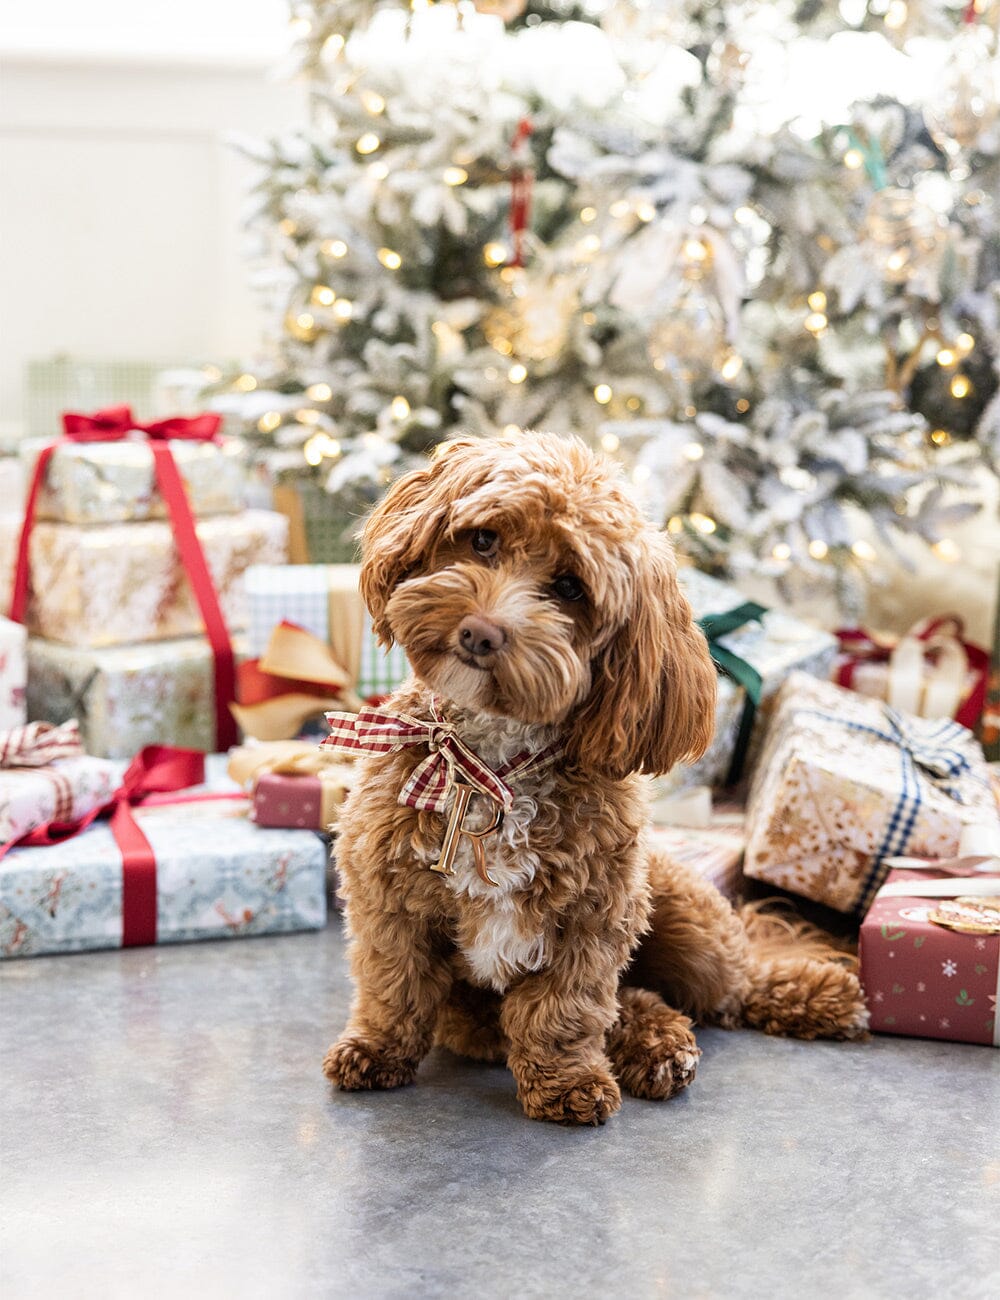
(902, 234)
(535, 321)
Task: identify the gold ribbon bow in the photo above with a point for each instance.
(248, 763)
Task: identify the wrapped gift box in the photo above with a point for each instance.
(13, 672)
(218, 876)
(64, 790)
(292, 783)
(120, 583)
(125, 697)
(833, 796)
(115, 482)
(325, 600)
(774, 646)
(927, 979)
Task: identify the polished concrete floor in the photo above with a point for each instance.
(166, 1131)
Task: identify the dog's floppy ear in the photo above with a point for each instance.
(403, 527)
(652, 703)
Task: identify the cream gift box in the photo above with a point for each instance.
(119, 583)
(843, 784)
(115, 482)
(13, 672)
(125, 697)
(218, 876)
(325, 600)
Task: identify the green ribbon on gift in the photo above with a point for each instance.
(716, 626)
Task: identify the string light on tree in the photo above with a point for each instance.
(319, 392)
(368, 143)
(389, 258)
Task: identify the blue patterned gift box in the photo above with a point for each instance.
(218, 876)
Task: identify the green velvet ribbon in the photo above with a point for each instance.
(719, 625)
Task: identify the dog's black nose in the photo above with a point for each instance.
(480, 637)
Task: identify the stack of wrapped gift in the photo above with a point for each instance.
(189, 864)
(756, 649)
(291, 606)
(846, 783)
(117, 637)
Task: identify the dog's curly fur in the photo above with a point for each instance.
(585, 965)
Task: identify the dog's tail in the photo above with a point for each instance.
(802, 981)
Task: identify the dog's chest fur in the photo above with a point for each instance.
(496, 932)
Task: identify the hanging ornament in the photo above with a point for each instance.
(727, 65)
(506, 10)
(533, 324)
(639, 29)
(965, 101)
(688, 339)
(902, 234)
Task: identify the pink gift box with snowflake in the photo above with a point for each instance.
(923, 978)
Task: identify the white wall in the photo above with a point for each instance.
(120, 203)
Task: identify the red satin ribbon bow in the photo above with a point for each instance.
(112, 425)
(157, 769)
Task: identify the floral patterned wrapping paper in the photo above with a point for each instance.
(65, 790)
(218, 877)
(119, 583)
(13, 672)
(775, 646)
(114, 482)
(823, 797)
(159, 693)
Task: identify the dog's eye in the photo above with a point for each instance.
(485, 542)
(568, 587)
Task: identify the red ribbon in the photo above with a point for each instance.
(112, 425)
(520, 189)
(157, 769)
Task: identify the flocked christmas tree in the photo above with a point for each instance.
(662, 225)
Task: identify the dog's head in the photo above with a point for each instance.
(523, 581)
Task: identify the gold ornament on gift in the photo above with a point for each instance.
(902, 233)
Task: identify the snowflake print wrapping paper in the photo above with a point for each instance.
(923, 980)
(218, 876)
(824, 795)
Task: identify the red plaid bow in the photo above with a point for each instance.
(371, 731)
(38, 743)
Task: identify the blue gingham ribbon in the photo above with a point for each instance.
(931, 747)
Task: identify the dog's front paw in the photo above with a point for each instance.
(586, 1097)
(353, 1064)
(652, 1048)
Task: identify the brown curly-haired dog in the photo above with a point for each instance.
(541, 614)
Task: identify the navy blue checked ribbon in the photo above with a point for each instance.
(928, 746)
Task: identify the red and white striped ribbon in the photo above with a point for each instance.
(38, 743)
